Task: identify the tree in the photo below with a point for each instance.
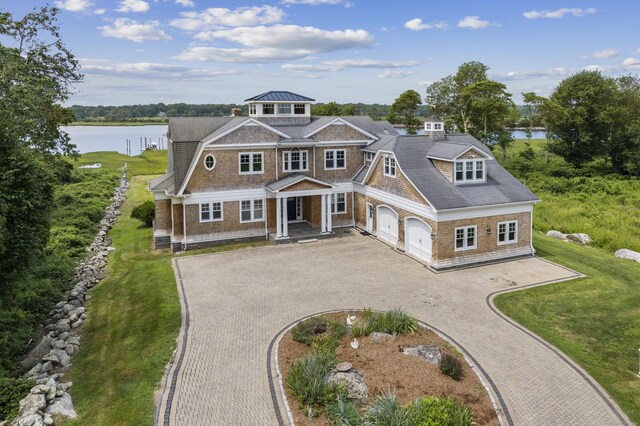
(532, 105)
(405, 108)
(330, 109)
(491, 108)
(349, 109)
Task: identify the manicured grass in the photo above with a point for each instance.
(147, 163)
(594, 320)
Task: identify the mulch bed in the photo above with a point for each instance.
(387, 369)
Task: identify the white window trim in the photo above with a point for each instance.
(464, 171)
(251, 154)
(334, 203)
(465, 247)
(275, 109)
(204, 161)
(284, 113)
(506, 236)
(252, 204)
(211, 212)
(253, 109)
(384, 166)
(335, 159)
(293, 109)
(368, 156)
(286, 165)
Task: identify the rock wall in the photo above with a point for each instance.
(52, 356)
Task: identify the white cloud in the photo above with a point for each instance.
(133, 6)
(473, 22)
(525, 75)
(218, 18)
(216, 54)
(318, 2)
(149, 70)
(339, 65)
(395, 74)
(99, 11)
(135, 30)
(73, 5)
(417, 25)
(630, 62)
(605, 54)
(186, 3)
(560, 13)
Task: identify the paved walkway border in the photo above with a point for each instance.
(499, 405)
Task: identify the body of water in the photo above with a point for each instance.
(114, 138)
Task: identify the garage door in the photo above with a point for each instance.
(387, 225)
(418, 239)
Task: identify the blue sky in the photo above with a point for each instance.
(198, 51)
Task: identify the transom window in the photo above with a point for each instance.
(252, 210)
(466, 238)
(209, 162)
(508, 232)
(252, 109)
(268, 109)
(389, 166)
(335, 159)
(284, 109)
(339, 203)
(299, 109)
(210, 212)
(368, 156)
(294, 160)
(470, 171)
(250, 163)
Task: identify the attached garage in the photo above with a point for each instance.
(387, 225)
(418, 239)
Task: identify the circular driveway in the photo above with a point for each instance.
(234, 303)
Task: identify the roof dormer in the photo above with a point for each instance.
(281, 108)
(434, 127)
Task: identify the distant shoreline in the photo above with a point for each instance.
(117, 123)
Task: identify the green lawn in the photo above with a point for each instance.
(147, 163)
(594, 320)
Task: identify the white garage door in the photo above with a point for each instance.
(418, 239)
(387, 225)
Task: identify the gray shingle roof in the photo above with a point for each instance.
(280, 96)
(449, 150)
(386, 142)
(163, 182)
(290, 180)
(501, 187)
(183, 153)
(359, 177)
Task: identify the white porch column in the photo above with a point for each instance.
(278, 218)
(285, 218)
(323, 215)
(329, 213)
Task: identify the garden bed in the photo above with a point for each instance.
(386, 370)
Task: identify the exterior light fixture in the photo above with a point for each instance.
(488, 230)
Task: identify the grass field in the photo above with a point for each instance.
(148, 163)
(594, 320)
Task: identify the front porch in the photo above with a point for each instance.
(301, 231)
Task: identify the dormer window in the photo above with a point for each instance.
(299, 109)
(252, 109)
(470, 171)
(284, 109)
(389, 166)
(427, 126)
(437, 126)
(268, 109)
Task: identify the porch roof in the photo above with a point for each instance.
(292, 179)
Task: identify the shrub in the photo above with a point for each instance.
(312, 328)
(385, 410)
(395, 321)
(431, 411)
(343, 413)
(307, 378)
(11, 392)
(451, 365)
(144, 212)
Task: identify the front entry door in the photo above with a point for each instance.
(292, 213)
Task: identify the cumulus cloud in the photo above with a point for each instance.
(73, 5)
(136, 31)
(473, 22)
(100, 11)
(560, 13)
(149, 70)
(525, 75)
(339, 65)
(133, 6)
(605, 54)
(417, 25)
(186, 3)
(219, 18)
(630, 62)
(395, 74)
(318, 2)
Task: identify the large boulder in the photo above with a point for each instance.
(39, 350)
(32, 403)
(429, 353)
(556, 234)
(353, 380)
(62, 406)
(628, 254)
(579, 238)
(378, 337)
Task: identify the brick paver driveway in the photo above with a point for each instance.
(238, 301)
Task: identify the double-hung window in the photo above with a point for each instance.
(294, 161)
(507, 232)
(210, 212)
(268, 109)
(251, 210)
(389, 166)
(284, 109)
(470, 171)
(335, 159)
(466, 238)
(339, 203)
(250, 163)
(299, 109)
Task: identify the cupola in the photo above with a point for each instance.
(281, 108)
(434, 127)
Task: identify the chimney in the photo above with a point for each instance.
(236, 112)
(434, 128)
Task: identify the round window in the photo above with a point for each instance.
(209, 162)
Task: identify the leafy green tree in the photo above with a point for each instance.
(349, 109)
(405, 108)
(330, 109)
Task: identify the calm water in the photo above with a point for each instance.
(114, 138)
(518, 134)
